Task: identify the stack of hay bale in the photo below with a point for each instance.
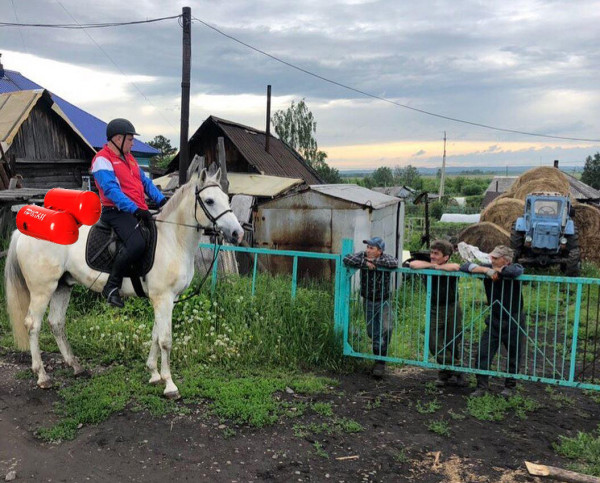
(498, 217)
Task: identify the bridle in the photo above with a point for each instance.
(213, 219)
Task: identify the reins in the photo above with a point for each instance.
(209, 230)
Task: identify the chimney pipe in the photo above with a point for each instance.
(556, 163)
(267, 139)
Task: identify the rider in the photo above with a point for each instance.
(121, 184)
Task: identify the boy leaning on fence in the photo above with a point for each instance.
(505, 320)
(445, 329)
(375, 291)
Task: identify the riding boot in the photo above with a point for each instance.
(115, 279)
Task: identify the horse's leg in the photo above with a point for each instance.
(33, 322)
(56, 318)
(163, 312)
(152, 362)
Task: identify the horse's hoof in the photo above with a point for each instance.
(155, 382)
(83, 373)
(174, 395)
(47, 384)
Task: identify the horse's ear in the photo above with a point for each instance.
(203, 175)
(217, 175)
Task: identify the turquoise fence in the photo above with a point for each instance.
(550, 333)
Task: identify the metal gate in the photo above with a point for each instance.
(554, 333)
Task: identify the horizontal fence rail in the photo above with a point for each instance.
(538, 328)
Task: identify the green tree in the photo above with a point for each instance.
(591, 171)
(296, 126)
(166, 151)
(383, 176)
(408, 176)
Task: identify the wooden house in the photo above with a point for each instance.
(246, 151)
(39, 143)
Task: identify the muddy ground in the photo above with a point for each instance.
(395, 444)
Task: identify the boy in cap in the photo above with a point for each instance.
(375, 290)
(445, 333)
(505, 320)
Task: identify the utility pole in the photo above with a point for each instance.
(442, 177)
(268, 130)
(184, 149)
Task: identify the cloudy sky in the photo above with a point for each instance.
(521, 65)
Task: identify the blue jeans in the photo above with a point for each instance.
(379, 327)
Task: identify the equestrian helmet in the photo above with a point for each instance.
(119, 126)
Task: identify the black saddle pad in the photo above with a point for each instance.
(103, 244)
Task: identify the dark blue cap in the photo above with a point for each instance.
(376, 242)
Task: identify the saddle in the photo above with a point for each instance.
(103, 244)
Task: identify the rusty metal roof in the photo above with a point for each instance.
(281, 160)
(356, 194)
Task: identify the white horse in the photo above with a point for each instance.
(39, 272)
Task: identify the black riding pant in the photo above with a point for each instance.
(127, 229)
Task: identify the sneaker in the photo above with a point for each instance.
(508, 392)
(480, 391)
(378, 370)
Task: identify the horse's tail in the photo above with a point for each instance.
(17, 295)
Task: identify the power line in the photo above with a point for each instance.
(367, 94)
(20, 31)
(117, 66)
(78, 26)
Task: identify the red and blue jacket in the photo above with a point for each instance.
(122, 183)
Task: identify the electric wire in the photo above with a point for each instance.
(119, 68)
(373, 96)
(82, 26)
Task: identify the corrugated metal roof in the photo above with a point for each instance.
(260, 184)
(581, 191)
(281, 160)
(15, 108)
(397, 191)
(241, 183)
(356, 194)
(92, 128)
(501, 184)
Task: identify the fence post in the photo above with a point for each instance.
(575, 331)
(342, 291)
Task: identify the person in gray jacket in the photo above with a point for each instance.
(505, 321)
(375, 290)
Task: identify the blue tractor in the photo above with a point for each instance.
(546, 235)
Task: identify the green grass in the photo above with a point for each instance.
(584, 449)
(244, 398)
(492, 407)
(428, 408)
(440, 427)
(324, 409)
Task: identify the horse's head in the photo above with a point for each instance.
(212, 207)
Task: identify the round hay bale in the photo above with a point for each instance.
(587, 222)
(503, 212)
(589, 248)
(539, 185)
(541, 179)
(485, 236)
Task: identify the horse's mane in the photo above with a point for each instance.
(180, 192)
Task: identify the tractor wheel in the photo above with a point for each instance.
(572, 267)
(517, 241)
